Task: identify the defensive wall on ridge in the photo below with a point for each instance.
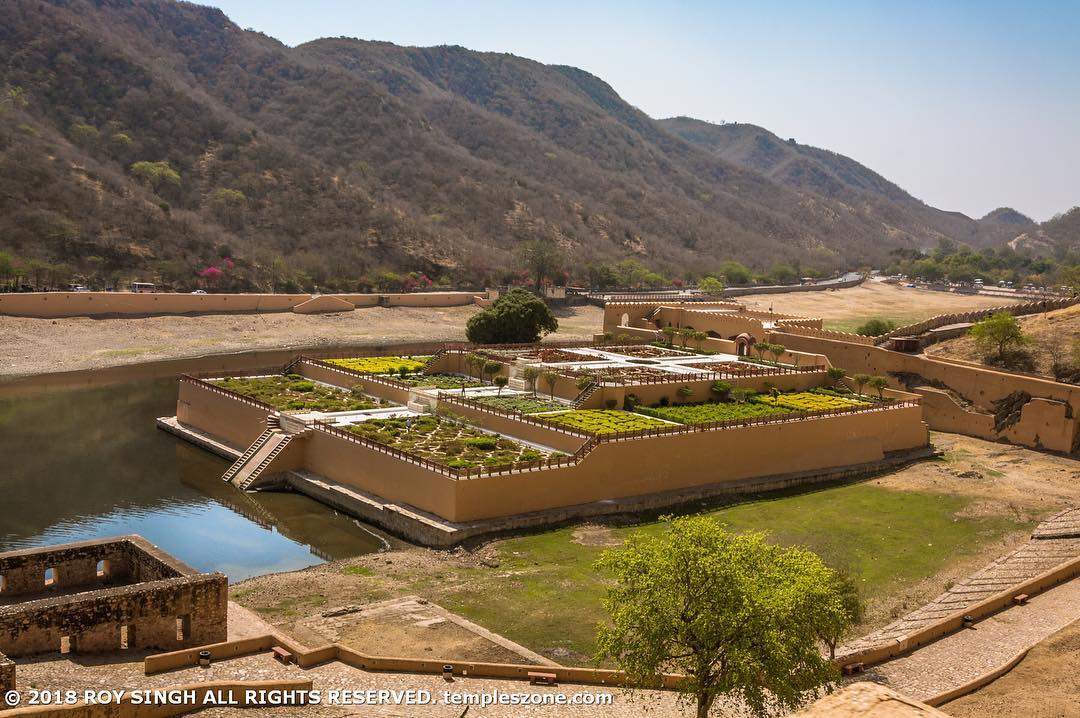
(54, 305)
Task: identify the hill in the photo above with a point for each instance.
(841, 178)
(158, 139)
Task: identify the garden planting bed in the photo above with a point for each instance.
(457, 446)
(522, 404)
(604, 421)
(621, 373)
(547, 356)
(293, 393)
(381, 365)
(756, 406)
(439, 381)
(645, 351)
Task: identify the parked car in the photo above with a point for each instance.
(199, 291)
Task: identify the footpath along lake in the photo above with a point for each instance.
(80, 463)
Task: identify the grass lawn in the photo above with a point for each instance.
(294, 393)
(546, 595)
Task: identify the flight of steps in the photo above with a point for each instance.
(250, 466)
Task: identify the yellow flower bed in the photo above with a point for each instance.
(381, 365)
(604, 421)
(810, 401)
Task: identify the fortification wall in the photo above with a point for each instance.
(54, 305)
(160, 603)
(7, 674)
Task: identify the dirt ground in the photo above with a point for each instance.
(38, 346)
(846, 309)
(1047, 331)
(1045, 683)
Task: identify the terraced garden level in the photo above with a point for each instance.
(758, 405)
(455, 445)
(293, 393)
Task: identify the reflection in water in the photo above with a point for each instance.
(77, 464)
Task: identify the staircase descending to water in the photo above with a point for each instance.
(246, 470)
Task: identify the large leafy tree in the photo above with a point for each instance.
(516, 317)
(999, 331)
(737, 616)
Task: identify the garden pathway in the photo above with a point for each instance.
(960, 657)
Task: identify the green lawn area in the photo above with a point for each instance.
(759, 405)
(546, 595)
(294, 393)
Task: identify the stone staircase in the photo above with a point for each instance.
(246, 470)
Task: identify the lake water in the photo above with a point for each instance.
(89, 462)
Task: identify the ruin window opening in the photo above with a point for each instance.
(66, 645)
(50, 576)
(103, 568)
(127, 637)
(183, 627)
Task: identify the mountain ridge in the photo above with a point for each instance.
(338, 160)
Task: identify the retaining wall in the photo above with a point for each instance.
(233, 421)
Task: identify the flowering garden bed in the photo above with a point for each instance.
(604, 421)
(757, 405)
(455, 445)
(645, 351)
(293, 393)
(381, 365)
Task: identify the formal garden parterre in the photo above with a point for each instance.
(471, 433)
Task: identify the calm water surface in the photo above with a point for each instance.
(86, 463)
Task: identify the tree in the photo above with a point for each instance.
(501, 382)
(669, 333)
(684, 392)
(734, 272)
(761, 348)
(516, 317)
(777, 350)
(876, 327)
(722, 389)
(542, 258)
(698, 338)
(490, 367)
(861, 380)
(530, 374)
(1000, 330)
(7, 267)
(738, 616)
(879, 383)
(684, 334)
(551, 379)
(836, 626)
(835, 374)
(711, 285)
(156, 175)
(474, 362)
(584, 381)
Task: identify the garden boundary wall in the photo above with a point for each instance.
(106, 594)
(55, 305)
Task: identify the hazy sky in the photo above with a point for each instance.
(966, 105)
